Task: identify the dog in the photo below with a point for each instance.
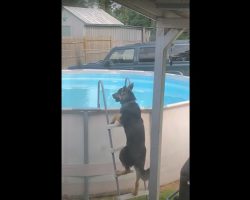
(134, 153)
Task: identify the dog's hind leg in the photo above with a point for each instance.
(126, 162)
(138, 176)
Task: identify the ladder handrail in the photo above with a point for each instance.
(100, 85)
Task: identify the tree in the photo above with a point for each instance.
(105, 5)
(132, 18)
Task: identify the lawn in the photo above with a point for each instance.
(165, 191)
(163, 195)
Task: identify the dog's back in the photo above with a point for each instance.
(133, 124)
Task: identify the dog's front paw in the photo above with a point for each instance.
(119, 173)
(116, 118)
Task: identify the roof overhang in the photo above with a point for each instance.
(174, 13)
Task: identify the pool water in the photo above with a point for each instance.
(79, 90)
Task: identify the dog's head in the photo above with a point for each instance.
(124, 94)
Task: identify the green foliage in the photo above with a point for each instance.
(183, 36)
(105, 5)
(131, 18)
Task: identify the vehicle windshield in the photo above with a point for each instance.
(122, 56)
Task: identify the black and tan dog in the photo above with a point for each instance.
(134, 153)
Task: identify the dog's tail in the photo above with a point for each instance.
(145, 174)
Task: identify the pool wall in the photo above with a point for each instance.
(174, 152)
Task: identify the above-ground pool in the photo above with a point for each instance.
(87, 167)
(79, 90)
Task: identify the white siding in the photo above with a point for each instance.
(66, 31)
(116, 33)
(77, 26)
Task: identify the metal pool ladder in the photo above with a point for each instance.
(112, 149)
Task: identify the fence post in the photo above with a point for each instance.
(143, 34)
(78, 53)
(85, 51)
(110, 42)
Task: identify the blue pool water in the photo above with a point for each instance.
(79, 90)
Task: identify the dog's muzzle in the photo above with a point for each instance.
(116, 97)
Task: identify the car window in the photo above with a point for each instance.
(122, 56)
(147, 54)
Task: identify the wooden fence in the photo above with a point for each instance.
(77, 51)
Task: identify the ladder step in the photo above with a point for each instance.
(130, 195)
(110, 126)
(116, 149)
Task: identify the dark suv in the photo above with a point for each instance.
(141, 57)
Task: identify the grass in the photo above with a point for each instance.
(165, 191)
(163, 195)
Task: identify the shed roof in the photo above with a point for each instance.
(93, 16)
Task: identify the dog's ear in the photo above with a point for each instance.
(131, 85)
